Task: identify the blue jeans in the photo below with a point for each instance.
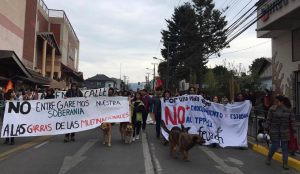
(284, 146)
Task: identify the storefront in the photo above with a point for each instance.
(14, 70)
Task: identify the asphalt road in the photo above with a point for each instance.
(87, 155)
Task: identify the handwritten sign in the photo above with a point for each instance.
(226, 125)
(60, 116)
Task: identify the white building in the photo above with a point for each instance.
(281, 22)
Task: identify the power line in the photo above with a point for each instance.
(253, 46)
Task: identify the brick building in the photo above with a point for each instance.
(40, 42)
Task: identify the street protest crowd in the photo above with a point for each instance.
(279, 122)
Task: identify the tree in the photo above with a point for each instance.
(256, 65)
(210, 82)
(195, 31)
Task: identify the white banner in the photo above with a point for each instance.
(60, 116)
(226, 125)
(86, 93)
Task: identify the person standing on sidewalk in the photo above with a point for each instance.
(293, 144)
(278, 121)
(73, 92)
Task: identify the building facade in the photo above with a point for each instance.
(100, 81)
(43, 40)
(265, 75)
(280, 21)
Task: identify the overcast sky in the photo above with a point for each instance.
(127, 32)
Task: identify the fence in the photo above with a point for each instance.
(258, 115)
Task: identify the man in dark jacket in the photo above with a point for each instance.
(71, 93)
(278, 121)
(148, 104)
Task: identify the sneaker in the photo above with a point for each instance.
(133, 139)
(285, 167)
(268, 162)
(73, 139)
(66, 140)
(137, 137)
(12, 143)
(5, 142)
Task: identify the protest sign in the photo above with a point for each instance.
(60, 116)
(226, 125)
(86, 93)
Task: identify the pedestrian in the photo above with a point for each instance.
(10, 96)
(216, 99)
(157, 111)
(267, 101)
(49, 94)
(148, 104)
(225, 100)
(2, 104)
(279, 119)
(240, 97)
(192, 91)
(293, 144)
(137, 117)
(73, 92)
(111, 92)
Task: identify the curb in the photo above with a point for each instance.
(292, 162)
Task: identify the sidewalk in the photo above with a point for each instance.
(293, 161)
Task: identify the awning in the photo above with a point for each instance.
(38, 78)
(11, 65)
(77, 75)
(49, 36)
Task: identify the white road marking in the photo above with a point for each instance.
(221, 163)
(40, 145)
(149, 169)
(156, 161)
(72, 161)
(235, 161)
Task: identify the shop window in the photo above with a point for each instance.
(296, 45)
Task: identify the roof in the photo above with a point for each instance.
(12, 65)
(266, 63)
(68, 70)
(50, 38)
(100, 77)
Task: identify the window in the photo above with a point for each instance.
(296, 45)
(99, 84)
(297, 94)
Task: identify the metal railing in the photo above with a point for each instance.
(258, 115)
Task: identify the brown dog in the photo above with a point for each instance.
(187, 141)
(126, 130)
(106, 129)
(179, 137)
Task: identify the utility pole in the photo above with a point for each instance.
(154, 75)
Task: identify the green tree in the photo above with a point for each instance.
(210, 82)
(195, 31)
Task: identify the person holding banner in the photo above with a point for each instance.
(137, 117)
(279, 120)
(10, 96)
(73, 92)
(49, 94)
